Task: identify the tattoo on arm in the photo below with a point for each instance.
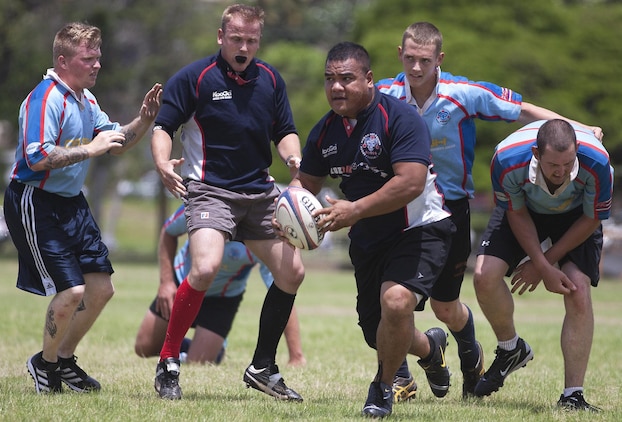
(63, 157)
(130, 135)
(50, 325)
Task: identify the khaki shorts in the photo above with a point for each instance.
(243, 216)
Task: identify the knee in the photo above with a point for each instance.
(444, 311)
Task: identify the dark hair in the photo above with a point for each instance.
(558, 134)
(349, 50)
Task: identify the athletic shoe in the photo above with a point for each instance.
(404, 388)
(506, 362)
(75, 377)
(167, 379)
(269, 381)
(470, 377)
(575, 401)
(435, 367)
(379, 400)
(46, 377)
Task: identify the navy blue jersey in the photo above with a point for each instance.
(362, 155)
(228, 121)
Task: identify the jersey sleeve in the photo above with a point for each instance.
(175, 224)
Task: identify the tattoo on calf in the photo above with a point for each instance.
(50, 325)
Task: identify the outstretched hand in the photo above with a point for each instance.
(151, 103)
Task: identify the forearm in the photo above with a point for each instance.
(133, 131)
(525, 232)
(161, 147)
(62, 157)
(289, 151)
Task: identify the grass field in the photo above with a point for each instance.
(334, 383)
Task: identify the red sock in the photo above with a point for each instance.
(185, 309)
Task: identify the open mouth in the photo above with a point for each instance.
(240, 59)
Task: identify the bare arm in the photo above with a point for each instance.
(289, 151)
(531, 112)
(167, 248)
(161, 147)
(136, 129)
(407, 184)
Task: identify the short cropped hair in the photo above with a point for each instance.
(349, 50)
(424, 33)
(72, 35)
(248, 13)
(558, 134)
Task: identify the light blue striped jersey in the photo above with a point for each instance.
(515, 187)
(54, 115)
(450, 117)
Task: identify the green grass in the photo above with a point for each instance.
(340, 365)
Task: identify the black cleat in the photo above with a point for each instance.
(470, 377)
(404, 388)
(379, 400)
(576, 401)
(167, 379)
(46, 377)
(268, 380)
(75, 377)
(506, 362)
(435, 367)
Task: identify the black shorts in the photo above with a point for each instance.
(216, 314)
(499, 241)
(447, 287)
(57, 239)
(414, 260)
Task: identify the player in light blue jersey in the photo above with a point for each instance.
(59, 245)
(220, 303)
(551, 180)
(450, 106)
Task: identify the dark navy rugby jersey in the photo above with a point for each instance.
(386, 132)
(227, 125)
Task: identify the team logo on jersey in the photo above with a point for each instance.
(222, 95)
(371, 146)
(443, 117)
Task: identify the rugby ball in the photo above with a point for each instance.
(293, 212)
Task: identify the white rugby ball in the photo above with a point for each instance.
(293, 212)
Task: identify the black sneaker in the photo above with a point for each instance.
(404, 388)
(379, 400)
(78, 380)
(506, 362)
(269, 381)
(470, 377)
(167, 379)
(436, 369)
(46, 376)
(576, 401)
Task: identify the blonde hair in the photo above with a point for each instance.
(248, 13)
(72, 35)
(424, 33)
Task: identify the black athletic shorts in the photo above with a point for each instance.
(415, 260)
(447, 287)
(499, 241)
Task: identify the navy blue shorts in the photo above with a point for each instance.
(415, 260)
(499, 241)
(216, 314)
(447, 287)
(57, 239)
